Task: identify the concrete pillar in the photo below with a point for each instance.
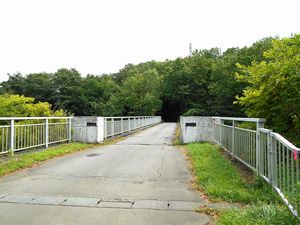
(100, 129)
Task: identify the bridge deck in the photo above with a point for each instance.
(141, 180)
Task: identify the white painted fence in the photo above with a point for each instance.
(94, 129)
(267, 153)
(20, 133)
(119, 125)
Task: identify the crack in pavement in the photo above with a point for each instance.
(118, 178)
(173, 205)
(158, 171)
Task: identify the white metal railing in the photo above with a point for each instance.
(118, 125)
(268, 153)
(20, 133)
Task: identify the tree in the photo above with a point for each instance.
(21, 106)
(68, 93)
(99, 96)
(274, 90)
(141, 92)
(14, 84)
(39, 86)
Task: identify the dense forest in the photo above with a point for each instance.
(262, 80)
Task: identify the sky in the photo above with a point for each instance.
(97, 37)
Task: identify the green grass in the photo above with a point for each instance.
(18, 162)
(258, 215)
(221, 180)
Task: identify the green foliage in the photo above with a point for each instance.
(141, 92)
(201, 84)
(68, 94)
(273, 90)
(20, 106)
(220, 180)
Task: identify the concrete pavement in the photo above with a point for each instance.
(141, 180)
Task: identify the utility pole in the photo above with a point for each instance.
(190, 49)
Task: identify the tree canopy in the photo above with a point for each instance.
(273, 90)
(264, 76)
(21, 106)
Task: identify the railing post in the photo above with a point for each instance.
(112, 127)
(101, 129)
(129, 123)
(233, 138)
(274, 162)
(12, 136)
(122, 126)
(105, 128)
(70, 130)
(47, 133)
(221, 122)
(271, 159)
(258, 141)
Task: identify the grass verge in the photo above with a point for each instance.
(261, 214)
(221, 180)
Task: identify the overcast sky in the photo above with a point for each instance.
(96, 36)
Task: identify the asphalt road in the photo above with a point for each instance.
(139, 181)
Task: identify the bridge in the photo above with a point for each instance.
(140, 180)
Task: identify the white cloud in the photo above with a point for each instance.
(97, 36)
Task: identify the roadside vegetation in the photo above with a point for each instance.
(222, 180)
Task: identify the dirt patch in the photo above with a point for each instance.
(176, 141)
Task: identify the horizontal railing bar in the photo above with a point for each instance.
(28, 125)
(238, 158)
(114, 126)
(2, 153)
(285, 142)
(224, 125)
(34, 118)
(108, 117)
(286, 201)
(58, 123)
(281, 139)
(242, 119)
(53, 142)
(243, 129)
(264, 130)
(32, 146)
(125, 131)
